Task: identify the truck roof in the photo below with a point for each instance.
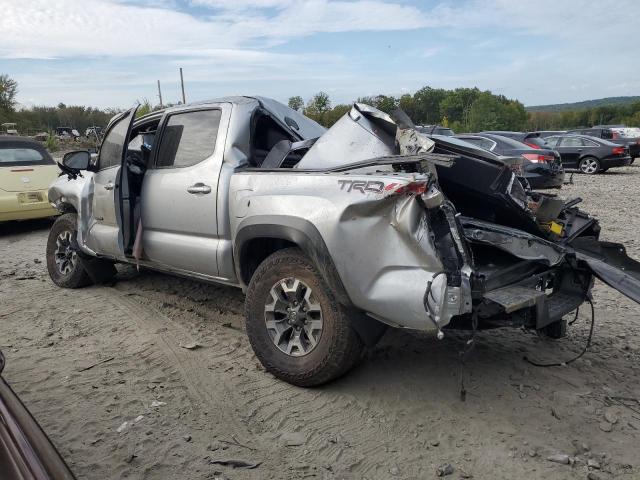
(302, 126)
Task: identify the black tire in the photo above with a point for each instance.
(589, 165)
(555, 330)
(76, 276)
(338, 348)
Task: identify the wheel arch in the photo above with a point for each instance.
(66, 207)
(259, 237)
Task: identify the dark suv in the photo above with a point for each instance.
(607, 132)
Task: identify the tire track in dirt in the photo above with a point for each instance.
(263, 402)
(204, 388)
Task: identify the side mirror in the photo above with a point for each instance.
(78, 160)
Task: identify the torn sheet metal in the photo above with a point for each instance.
(516, 242)
(610, 263)
(359, 135)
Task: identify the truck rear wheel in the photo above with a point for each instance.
(296, 327)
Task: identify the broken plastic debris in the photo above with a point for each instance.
(157, 403)
(122, 427)
(138, 418)
(190, 345)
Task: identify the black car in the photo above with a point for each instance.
(608, 132)
(532, 139)
(589, 154)
(25, 450)
(542, 167)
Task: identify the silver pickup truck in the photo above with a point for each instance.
(332, 234)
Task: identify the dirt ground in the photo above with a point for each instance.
(154, 410)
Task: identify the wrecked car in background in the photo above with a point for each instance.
(333, 234)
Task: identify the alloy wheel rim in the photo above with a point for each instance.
(293, 317)
(65, 254)
(589, 165)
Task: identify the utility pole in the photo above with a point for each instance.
(182, 84)
(160, 94)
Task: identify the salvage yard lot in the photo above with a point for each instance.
(398, 415)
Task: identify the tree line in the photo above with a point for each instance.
(45, 119)
(461, 109)
(471, 110)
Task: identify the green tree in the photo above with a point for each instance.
(382, 102)
(319, 103)
(317, 107)
(296, 103)
(8, 92)
(427, 105)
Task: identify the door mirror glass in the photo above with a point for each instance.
(78, 160)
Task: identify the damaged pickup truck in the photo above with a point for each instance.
(333, 234)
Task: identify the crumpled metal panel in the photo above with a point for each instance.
(378, 237)
(361, 134)
(77, 193)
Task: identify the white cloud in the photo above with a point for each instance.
(112, 51)
(70, 28)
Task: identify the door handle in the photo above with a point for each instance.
(109, 186)
(199, 188)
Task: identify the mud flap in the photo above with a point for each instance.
(610, 263)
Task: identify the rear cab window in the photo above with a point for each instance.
(188, 138)
(17, 155)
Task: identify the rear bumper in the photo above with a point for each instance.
(543, 176)
(12, 208)
(615, 162)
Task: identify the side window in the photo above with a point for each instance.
(487, 144)
(552, 141)
(188, 138)
(588, 143)
(572, 142)
(480, 142)
(113, 144)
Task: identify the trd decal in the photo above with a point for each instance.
(376, 186)
(362, 186)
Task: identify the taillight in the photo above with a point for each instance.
(533, 145)
(618, 150)
(538, 158)
(417, 187)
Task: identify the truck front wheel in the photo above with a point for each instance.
(64, 263)
(296, 327)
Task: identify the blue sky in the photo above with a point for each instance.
(111, 52)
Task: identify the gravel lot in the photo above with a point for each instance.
(189, 413)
